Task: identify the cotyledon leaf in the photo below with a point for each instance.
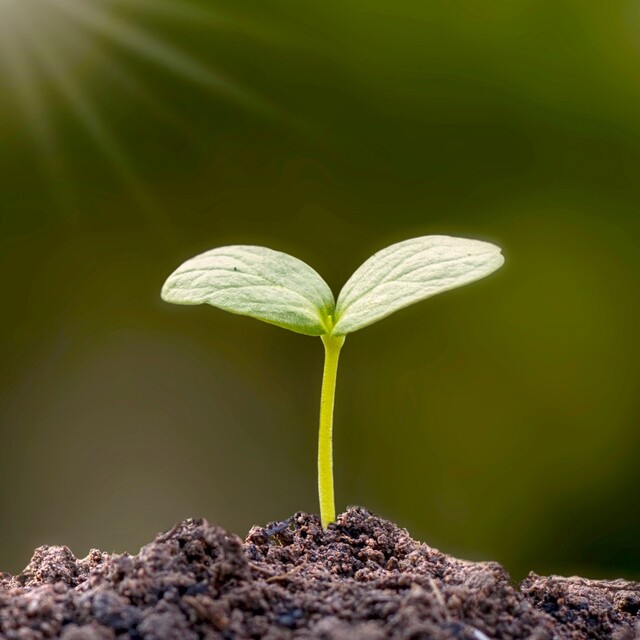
(408, 272)
(255, 281)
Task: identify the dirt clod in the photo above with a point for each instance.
(363, 578)
(588, 608)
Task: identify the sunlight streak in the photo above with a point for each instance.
(147, 46)
(53, 63)
(28, 95)
(182, 10)
(69, 40)
(22, 80)
(46, 47)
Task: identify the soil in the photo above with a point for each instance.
(364, 578)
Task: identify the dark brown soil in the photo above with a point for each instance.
(363, 579)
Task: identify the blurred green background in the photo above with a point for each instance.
(499, 421)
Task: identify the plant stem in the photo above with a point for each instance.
(332, 346)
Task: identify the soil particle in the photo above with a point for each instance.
(363, 578)
(588, 608)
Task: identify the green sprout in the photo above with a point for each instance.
(279, 289)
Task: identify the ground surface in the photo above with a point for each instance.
(362, 579)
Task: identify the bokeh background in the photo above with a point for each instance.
(499, 421)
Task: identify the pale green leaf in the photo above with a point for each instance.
(257, 282)
(408, 272)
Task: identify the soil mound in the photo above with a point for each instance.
(364, 578)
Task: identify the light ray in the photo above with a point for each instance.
(19, 72)
(70, 40)
(211, 17)
(153, 49)
(47, 45)
(21, 76)
(183, 10)
(53, 63)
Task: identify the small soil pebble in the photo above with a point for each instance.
(363, 578)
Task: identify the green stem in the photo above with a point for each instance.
(332, 346)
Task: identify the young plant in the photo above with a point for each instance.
(277, 288)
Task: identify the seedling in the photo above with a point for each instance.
(277, 288)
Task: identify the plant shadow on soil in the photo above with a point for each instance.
(363, 578)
